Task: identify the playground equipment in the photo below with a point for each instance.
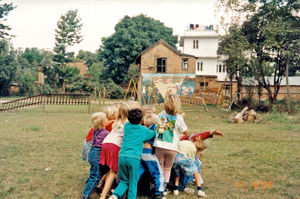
(224, 97)
(132, 89)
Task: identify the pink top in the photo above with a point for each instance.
(116, 135)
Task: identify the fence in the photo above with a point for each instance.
(47, 99)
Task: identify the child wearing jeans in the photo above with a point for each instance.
(185, 161)
(170, 123)
(130, 154)
(149, 159)
(111, 147)
(99, 121)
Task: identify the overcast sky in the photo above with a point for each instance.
(33, 22)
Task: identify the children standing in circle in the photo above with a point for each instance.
(99, 121)
(111, 147)
(170, 123)
(130, 154)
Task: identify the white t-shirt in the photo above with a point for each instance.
(116, 135)
(168, 128)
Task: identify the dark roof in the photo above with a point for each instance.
(166, 45)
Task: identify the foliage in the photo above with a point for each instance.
(88, 57)
(115, 91)
(26, 83)
(273, 34)
(133, 72)
(132, 35)
(4, 10)
(233, 45)
(7, 66)
(68, 33)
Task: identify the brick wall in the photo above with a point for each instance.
(173, 60)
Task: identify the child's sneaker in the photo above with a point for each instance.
(189, 190)
(165, 194)
(113, 197)
(176, 192)
(201, 193)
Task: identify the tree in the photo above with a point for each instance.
(4, 10)
(234, 45)
(231, 12)
(132, 36)
(273, 35)
(7, 66)
(88, 57)
(68, 33)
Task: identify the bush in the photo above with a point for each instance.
(114, 91)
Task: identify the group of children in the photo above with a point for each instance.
(127, 139)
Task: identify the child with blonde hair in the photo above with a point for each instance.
(185, 161)
(99, 121)
(149, 160)
(111, 147)
(170, 124)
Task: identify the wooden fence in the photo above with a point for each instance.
(47, 99)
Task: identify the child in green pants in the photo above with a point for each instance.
(130, 154)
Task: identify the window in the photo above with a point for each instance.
(161, 65)
(200, 66)
(202, 84)
(195, 44)
(220, 68)
(184, 63)
(224, 68)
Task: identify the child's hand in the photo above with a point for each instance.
(182, 114)
(216, 132)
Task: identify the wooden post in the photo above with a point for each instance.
(89, 110)
(43, 101)
(99, 97)
(95, 94)
(104, 95)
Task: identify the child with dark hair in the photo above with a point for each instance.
(130, 154)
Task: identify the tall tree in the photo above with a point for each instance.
(4, 10)
(234, 45)
(7, 66)
(68, 33)
(132, 35)
(273, 34)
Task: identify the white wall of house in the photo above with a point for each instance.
(204, 44)
(207, 47)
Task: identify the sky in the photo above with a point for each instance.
(33, 22)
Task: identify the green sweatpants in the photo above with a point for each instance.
(129, 174)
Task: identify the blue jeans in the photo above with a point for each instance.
(183, 179)
(95, 173)
(150, 162)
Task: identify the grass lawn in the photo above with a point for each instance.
(251, 161)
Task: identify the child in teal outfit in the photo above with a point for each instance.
(130, 154)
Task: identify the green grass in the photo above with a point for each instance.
(32, 140)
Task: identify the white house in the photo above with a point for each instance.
(202, 42)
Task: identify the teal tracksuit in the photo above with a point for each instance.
(129, 158)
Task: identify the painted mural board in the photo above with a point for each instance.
(155, 86)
